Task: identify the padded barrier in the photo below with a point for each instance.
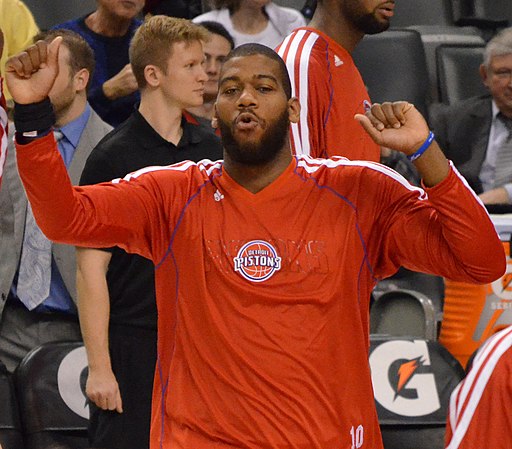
(50, 383)
(412, 380)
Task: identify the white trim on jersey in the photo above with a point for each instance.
(300, 131)
(204, 164)
(311, 165)
(466, 397)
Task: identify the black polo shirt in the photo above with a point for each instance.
(133, 145)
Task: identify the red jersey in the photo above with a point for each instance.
(3, 131)
(480, 415)
(331, 91)
(263, 298)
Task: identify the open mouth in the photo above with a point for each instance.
(246, 121)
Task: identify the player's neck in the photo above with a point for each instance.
(106, 24)
(165, 121)
(255, 178)
(249, 20)
(337, 27)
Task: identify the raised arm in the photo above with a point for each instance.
(123, 214)
(446, 231)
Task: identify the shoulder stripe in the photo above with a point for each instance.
(203, 165)
(465, 398)
(296, 52)
(312, 165)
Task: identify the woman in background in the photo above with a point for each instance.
(258, 21)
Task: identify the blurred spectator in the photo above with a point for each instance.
(326, 80)
(187, 9)
(258, 21)
(216, 48)
(476, 134)
(19, 27)
(479, 415)
(37, 277)
(116, 290)
(109, 30)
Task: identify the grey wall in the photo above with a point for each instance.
(52, 12)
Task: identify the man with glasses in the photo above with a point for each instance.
(476, 133)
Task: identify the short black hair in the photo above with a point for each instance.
(218, 28)
(253, 49)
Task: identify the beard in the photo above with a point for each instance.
(260, 152)
(370, 25)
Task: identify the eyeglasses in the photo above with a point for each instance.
(503, 75)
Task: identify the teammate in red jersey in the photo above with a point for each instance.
(264, 262)
(3, 118)
(480, 414)
(326, 81)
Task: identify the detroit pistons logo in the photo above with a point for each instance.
(257, 261)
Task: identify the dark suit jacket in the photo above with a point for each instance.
(13, 209)
(462, 131)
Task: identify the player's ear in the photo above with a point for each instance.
(294, 109)
(215, 121)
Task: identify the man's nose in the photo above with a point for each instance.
(247, 98)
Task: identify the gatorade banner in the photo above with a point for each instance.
(412, 380)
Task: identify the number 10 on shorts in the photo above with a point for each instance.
(357, 435)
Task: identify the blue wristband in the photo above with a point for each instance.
(412, 157)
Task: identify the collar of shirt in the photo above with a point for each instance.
(191, 132)
(72, 132)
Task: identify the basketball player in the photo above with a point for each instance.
(264, 262)
(326, 80)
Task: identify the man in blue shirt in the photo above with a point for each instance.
(37, 278)
(109, 30)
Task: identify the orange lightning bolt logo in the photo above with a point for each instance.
(405, 372)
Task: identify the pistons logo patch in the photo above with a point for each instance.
(257, 261)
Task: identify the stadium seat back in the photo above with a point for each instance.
(50, 383)
(49, 13)
(421, 12)
(458, 72)
(393, 67)
(404, 313)
(11, 434)
(434, 35)
(412, 380)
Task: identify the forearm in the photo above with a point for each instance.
(92, 216)
(456, 237)
(94, 305)
(432, 165)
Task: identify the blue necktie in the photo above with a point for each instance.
(34, 276)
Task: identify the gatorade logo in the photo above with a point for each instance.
(69, 375)
(257, 261)
(402, 380)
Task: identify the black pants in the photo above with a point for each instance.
(133, 357)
